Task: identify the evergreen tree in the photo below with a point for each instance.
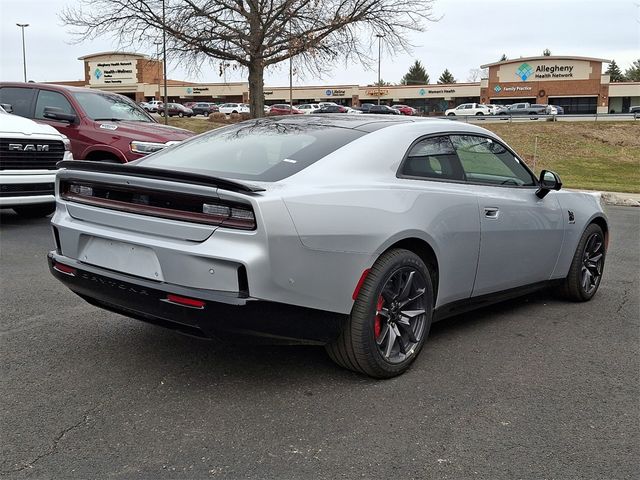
(614, 72)
(446, 77)
(416, 75)
(632, 74)
(503, 58)
(546, 52)
(382, 84)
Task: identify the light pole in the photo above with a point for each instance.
(380, 37)
(157, 43)
(164, 61)
(24, 54)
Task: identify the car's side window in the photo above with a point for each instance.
(433, 157)
(47, 98)
(19, 98)
(486, 161)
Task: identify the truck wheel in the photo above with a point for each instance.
(35, 211)
(390, 318)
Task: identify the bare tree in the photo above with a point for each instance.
(254, 34)
(476, 74)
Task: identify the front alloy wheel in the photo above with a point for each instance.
(390, 318)
(585, 274)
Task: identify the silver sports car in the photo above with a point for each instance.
(356, 232)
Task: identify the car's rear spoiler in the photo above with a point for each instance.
(160, 174)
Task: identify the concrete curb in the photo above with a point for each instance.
(620, 199)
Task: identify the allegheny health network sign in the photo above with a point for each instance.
(541, 71)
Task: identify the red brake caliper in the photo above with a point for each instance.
(377, 323)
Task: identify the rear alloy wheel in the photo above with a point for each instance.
(587, 266)
(390, 318)
(479, 114)
(35, 211)
(181, 114)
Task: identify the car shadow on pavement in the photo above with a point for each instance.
(159, 350)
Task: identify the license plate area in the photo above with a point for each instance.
(121, 257)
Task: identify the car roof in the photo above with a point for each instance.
(369, 123)
(52, 86)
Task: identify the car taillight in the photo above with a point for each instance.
(229, 216)
(163, 204)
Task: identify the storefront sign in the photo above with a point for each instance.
(334, 92)
(113, 73)
(499, 89)
(197, 90)
(376, 92)
(545, 70)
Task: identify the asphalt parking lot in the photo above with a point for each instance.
(534, 388)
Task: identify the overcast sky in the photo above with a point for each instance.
(470, 33)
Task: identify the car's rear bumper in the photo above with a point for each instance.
(223, 314)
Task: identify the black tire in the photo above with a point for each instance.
(362, 341)
(161, 114)
(234, 111)
(451, 114)
(479, 114)
(587, 266)
(35, 211)
(181, 114)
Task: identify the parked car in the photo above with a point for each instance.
(284, 109)
(145, 106)
(203, 108)
(468, 109)
(383, 109)
(331, 109)
(101, 126)
(228, 108)
(175, 109)
(405, 109)
(634, 109)
(496, 109)
(530, 109)
(190, 105)
(152, 105)
(308, 108)
(365, 107)
(326, 104)
(29, 152)
(554, 110)
(352, 110)
(324, 229)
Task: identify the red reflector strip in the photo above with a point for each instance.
(185, 301)
(66, 269)
(363, 277)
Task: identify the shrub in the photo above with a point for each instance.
(217, 117)
(234, 117)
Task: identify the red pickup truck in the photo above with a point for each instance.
(102, 126)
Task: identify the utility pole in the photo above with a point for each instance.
(24, 54)
(164, 61)
(380, 37)
(157, 43)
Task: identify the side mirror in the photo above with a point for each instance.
(548, 181)
(56, 113)
(7, 107)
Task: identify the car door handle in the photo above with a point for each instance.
(491, 212)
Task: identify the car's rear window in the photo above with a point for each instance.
(262, 150)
